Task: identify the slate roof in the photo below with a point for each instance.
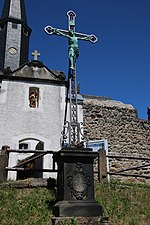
(6, 9)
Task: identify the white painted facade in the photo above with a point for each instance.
(22, 124)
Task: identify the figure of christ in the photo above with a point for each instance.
(73, 48)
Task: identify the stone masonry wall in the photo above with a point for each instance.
(127, 135)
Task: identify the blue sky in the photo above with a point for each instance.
(118, 65)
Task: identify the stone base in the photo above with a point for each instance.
(75, 187)
(80, 220)
(76, 220)
(77, 209)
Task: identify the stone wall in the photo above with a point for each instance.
(118, 123)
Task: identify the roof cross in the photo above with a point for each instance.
(36, 54)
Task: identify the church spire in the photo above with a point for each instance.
(14, 35)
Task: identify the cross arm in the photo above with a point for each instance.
(92, 38)
(51, 30)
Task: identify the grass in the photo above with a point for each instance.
(25, 206)
(123, 204)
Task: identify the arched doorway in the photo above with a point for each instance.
(33, 165)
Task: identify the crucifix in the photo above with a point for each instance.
(36, 54)
(73, 127)
(73, 38)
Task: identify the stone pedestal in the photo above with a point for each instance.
(75, 184)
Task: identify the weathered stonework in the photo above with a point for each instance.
(118, 123)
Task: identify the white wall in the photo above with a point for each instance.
(19, 121)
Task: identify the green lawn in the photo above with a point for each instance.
(123, 204)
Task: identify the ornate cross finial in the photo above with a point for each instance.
(36, 54)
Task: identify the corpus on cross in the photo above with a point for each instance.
(73, 37)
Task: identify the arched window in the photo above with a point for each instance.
(33, 97)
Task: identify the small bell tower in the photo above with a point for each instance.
(14, 35)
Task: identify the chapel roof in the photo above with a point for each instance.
(34, 70)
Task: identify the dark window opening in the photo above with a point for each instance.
(0, 85)
(23, 146)
(14, 25)
(25, 31)
(2, 27)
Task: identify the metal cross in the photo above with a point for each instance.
(36, 54)
(73, 38)
(71, 26)
(73, 127)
